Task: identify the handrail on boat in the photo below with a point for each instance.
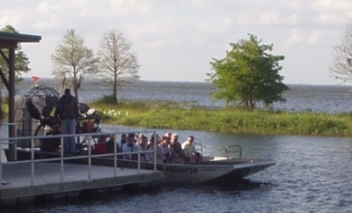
(199, 147)
(233, 149)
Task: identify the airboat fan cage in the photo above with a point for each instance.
(35, 105)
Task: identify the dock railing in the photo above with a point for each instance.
(62, 158)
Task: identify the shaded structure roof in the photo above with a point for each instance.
(12, 39)
(10, 42)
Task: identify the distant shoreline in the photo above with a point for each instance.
(293, 84)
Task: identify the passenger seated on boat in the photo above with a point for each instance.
(100, 147)
(129, 147)
(190, 150)
(168, 135)
(123, 140)
(155, 137)
(166, 156)
(176, 149)
(110, 144)
(143, 146)
(159, 151)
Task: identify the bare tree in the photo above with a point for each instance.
(118, 64)
(342, 66)
(73, 62)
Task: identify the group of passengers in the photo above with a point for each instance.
(168, 148)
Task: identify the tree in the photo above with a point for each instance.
(73, 62)
(118, 64)
(342, 66)
(21, 60)
(248, 74)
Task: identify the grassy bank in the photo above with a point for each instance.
(180, 116)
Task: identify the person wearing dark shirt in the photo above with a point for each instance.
(110, 145)
(67, 110)
(176, 149)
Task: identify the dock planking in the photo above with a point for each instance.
(47, 178)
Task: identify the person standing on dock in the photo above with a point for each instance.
(67, 110)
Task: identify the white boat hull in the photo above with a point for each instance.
(206, 171)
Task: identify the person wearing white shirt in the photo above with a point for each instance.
(190, 150)
(129, 147)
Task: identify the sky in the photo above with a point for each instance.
(175, 40)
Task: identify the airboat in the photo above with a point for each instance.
(225, 169)
(33, 117)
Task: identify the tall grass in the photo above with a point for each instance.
(182, 116)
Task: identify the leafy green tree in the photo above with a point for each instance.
(73, 61)
(21, 60)
(248, 74)
(118, 64)
(342, 65)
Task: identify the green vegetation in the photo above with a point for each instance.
(248, 74)
(181, 116)
(73, 62)
(21, 60)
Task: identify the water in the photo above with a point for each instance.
(330, 99)
(312, 174)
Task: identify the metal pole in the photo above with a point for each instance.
(61, 159)
(139, 155)
(155, 150)
(115, 156)
(0, 160)
(32, 161)
(89, 159)
(15, 142)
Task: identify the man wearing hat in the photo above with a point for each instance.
(67, 110)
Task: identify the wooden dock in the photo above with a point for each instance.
(19, 181)
(34, 173)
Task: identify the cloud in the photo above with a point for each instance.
(332, 11)
(181, 36)
(275, 18)
(315, 37)
(303, 37)
(45, 7)
(296, 37)
(10, 17)
(50, 23)
(124, 7)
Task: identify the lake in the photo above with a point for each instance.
(312, 98)
(312, 174)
